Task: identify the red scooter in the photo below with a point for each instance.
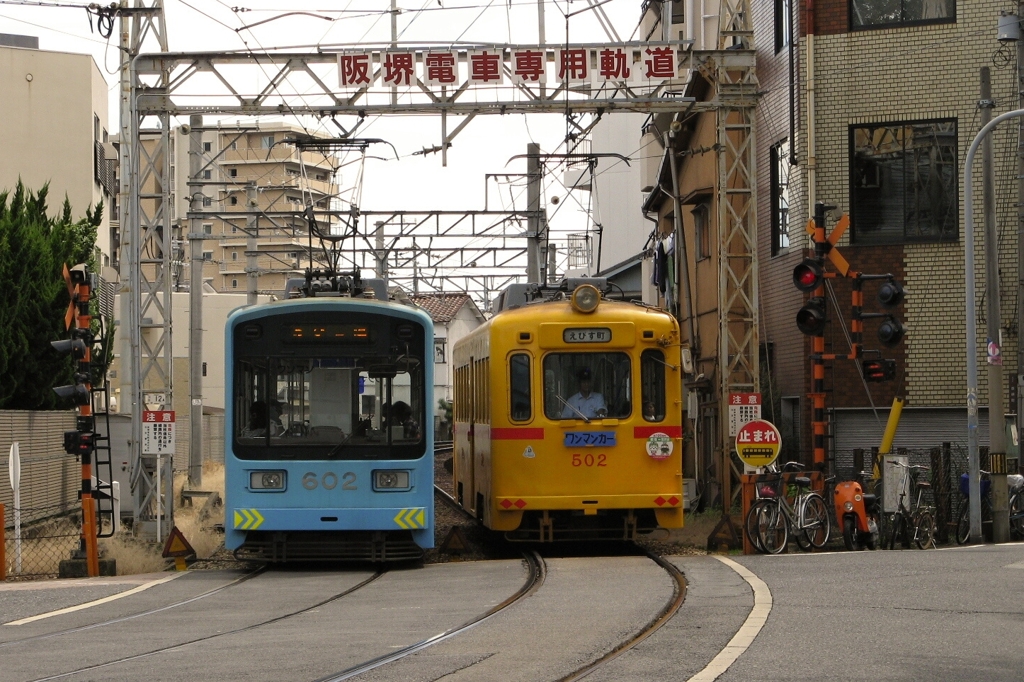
(857, 514)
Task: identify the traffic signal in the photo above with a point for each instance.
(890, 294)
(79, 391)
(891, 331)
(808, 276)
(79, 443)
(811, 318)
(878, 370)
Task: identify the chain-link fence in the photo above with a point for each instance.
(945, 462)
(37, 539)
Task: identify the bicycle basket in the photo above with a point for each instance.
(965, 482)
(769, 488)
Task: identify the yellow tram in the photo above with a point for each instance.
(568, 416)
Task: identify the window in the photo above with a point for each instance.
(780, 196)
(234, 255)
(652, 385)
(702, 230)
(204, 369)
(207, 174)
(233, 146)
(207, 146)
(879, 13)
(783, 24)
(586, 384)
(438, 349)
(903, 182)
(207, 255)
(234, 202)
(207, 228)
(266, 141)
(234, 284)
(519, 386)
(207, 201)
(233, 172)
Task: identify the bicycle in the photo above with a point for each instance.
(963, 514)
(1015, 482)
(774, 519)
(919, 516)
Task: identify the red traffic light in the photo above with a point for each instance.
(891, 331)
(878, 370)
(811, 318)
(808, 275)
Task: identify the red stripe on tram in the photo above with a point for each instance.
(517, 434)
(648, 431)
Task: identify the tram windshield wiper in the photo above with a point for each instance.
(582, 416)
(333, 451)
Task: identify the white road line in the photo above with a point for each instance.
(744, 637)
(104, 600)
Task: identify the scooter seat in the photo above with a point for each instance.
(924, 484)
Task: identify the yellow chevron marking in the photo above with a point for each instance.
(247, 519)
(411, 519)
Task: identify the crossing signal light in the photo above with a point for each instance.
(78, 392)
(811, 318)
(890, 294)
(891, 331)
(809, 275)
(878, 370)
(79, 443)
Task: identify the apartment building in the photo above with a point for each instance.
(55, 130)
(254, 186)
(871, 108)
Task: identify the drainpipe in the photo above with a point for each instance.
(682, 262)
(811, 147)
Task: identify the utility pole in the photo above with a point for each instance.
(533, 238)
(195, 303)
(996, 428)
(252, 226)
(1020, 235)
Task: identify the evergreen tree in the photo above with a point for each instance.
(33, 297)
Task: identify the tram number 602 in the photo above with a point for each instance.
(589, 460)
(329, 481)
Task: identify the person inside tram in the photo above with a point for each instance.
(401, 414)
(257, 425)
(586, 401)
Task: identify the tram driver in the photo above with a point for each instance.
(585, 402)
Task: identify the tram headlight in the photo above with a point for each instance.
(389, 479)
(585, 298)
(266, 480)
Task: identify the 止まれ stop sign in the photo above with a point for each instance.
(758, 443)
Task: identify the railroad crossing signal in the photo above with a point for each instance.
(878, 370)
(811, 318)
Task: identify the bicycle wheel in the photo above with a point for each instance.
(816, 524)
(1017, 516)
(963, 522)
(896, 528)
(924, 530)
(750, 526)
(772, 527)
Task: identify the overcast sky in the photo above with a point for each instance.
(415, 181)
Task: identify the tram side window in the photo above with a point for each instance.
(251, 413)
(519, 383)
(652, 385)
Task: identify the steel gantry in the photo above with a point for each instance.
(158, 87)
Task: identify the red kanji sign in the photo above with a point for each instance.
(574, 64)
(528, 66)
(659, 63)
(355, 69)
(485, 66)
(398, 68)
(613, 64)
(758, 443)
(440, 68)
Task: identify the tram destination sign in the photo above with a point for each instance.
(587, 335)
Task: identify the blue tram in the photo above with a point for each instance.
(329, 430)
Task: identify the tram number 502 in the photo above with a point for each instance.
(589, 460)
(329, 481)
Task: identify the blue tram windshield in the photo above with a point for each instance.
(593, 385)
(329, 406)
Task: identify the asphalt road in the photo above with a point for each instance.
(901, 615)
